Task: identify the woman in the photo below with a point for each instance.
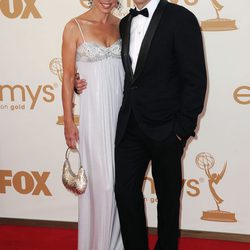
(91, 48)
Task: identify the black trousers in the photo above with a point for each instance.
(132, 156)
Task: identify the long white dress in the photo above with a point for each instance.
(99, 226)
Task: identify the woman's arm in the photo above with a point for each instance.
(68, 59)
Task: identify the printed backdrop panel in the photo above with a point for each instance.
(215, 163)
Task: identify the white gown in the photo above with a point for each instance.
(99, 226)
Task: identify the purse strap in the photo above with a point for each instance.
(69, 150)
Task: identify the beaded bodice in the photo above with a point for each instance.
(92, 52)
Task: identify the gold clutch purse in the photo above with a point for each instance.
(75, 183)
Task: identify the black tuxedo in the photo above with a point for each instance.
(162, 99)
(167, 90)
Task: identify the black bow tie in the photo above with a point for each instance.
(134, 12)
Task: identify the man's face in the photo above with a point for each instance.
(141, 3)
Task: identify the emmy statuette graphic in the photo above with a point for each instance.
(56, 69)
(205, 161)
(218, 23)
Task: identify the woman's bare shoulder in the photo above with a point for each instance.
(84, 18)
(116, 20)
(72, 25)
(70, 28)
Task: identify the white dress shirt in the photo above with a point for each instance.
(139, 26)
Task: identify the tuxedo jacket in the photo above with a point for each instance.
(167, 90)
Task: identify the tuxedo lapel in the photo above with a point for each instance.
(145, 46)
(125, 50)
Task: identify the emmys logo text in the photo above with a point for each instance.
(19, 95)
(19, 8)
(189, 186)
(24, 183)
(242, 95)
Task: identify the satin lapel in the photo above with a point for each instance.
(125, 50)
(148, 38)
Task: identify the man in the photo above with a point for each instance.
(165, 84)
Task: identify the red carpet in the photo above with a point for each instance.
(41, 238)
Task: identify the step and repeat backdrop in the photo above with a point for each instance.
(216, 164)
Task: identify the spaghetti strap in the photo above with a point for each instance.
(80, 29)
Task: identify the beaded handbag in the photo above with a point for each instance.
(75, 183)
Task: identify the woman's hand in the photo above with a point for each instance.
(79, 84)
(71, 134)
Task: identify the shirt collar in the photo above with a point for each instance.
(151, 6)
